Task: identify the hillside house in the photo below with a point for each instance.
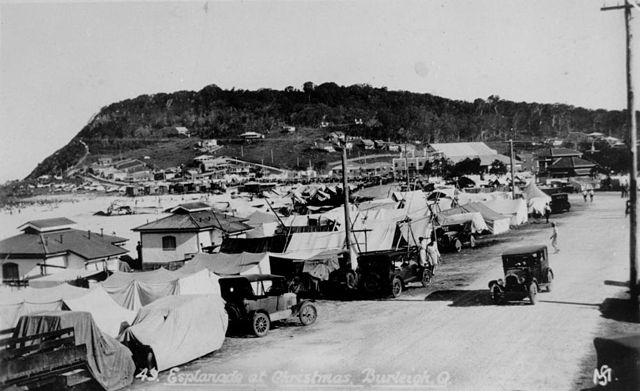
(190, 228)
(49, 246)
(182, 131)
(251, 136)
(563, 162)
(368, 144)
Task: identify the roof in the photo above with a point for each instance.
(259, 217)
(43, 245)
(252, 277)
(48, 224)
(572, 162)
(463, 149)
(190, 207)
(524, 249)
(558, 152)
(196, 221)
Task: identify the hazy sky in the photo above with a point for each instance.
(60, 62)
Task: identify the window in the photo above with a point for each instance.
(168, 243)
(10, 271)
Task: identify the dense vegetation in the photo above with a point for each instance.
(359, 110)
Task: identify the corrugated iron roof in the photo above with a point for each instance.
(196, 221)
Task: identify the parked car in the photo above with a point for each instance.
(257, 300)
(560, 203)
(526, 271)
(389, 271)
(453, 237)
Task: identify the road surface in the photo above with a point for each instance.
(449, 335)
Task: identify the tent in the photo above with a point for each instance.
(536, 198)
(496, 222)
(515, 209)
(110, 363)
(319, 264)
(26, 301)
(264, 224)
(107, 314)
(477, 222)
(230, 264)
(312, 242)
(134, 290)
(178, 329)
(63, 276)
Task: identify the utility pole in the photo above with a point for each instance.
(513, 183)
(345, 192)
(406, 165)
(633, 148)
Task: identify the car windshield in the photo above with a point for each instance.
(519, 261)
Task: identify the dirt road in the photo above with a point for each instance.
(449, 334)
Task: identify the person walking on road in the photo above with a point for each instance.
(554, 238)
(584, 194)
(547, 211)
(591, 194)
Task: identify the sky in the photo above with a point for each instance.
(60, 62)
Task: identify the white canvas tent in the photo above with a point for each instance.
(516, 209)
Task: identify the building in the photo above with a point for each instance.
(50, 245)
(457, 152)
(190, 228)
(364, 169)
(368, 144)
(563, 162)
(251, 136)
(415, 164)
(182, 131)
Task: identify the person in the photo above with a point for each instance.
(433, 255)
(554, 238)
(627, 209)
(591, 194)
(422, 260)
(547, 211)
(584, 194)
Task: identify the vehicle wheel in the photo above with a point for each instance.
(234, 313)
(550, 279)
(497, 296)
(533, 292)
(472, 241)
(426, 277)
(260, 324)
(457, 245)
(371, 283)
(308, 314)
(351, 280)
(396, 287)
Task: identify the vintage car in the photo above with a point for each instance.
(526, 272)
(389, 271)
(560, 203)
(257, 300)
(453, 237)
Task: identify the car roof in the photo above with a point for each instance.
(525, 249)
(253, 277)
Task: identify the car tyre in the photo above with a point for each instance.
(533, 293)
(457, 245)
(308, 314)
(260, 324)
(497, 296)
(371, 283)
(396, 287)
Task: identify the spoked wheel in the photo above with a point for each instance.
(396, 287)
(371, 283)
(457, 245)
(260, 324)
(308, 314)
(497, 296)
(550, 279)
(426, 277)
(533, 292)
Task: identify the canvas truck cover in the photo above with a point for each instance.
(107, 314)
(110, 362)
(179, 328)
(134, 290)
(27, 301)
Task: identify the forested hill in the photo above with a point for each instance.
(359, 110)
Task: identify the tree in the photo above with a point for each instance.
(308, 88)
(498, 168)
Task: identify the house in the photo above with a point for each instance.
(251, 136)
(288, 129)
(457, 152)
(367, 144)
(49, 246)
(182, 131)
(562, 162)
(129, 165)
(105, 161)
(190, 228)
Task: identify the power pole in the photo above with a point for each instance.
(513, 183)
(345, 192)
(633, 148)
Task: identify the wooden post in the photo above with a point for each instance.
(513, 182)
